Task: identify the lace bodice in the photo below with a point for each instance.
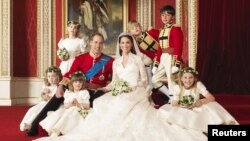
(134, 72)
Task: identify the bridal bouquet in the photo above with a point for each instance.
(120, 86)
(63, 54)
(186, 101)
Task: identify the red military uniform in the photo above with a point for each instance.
(84, 62)
(171, 36)
(168, 59)
(148, 43)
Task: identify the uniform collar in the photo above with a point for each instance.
(168, 25)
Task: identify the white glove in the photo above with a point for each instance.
(174, 69)
(154, 70)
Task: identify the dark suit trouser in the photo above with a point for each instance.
(93, 95)
(52, 105)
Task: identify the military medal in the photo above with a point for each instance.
(101, 77)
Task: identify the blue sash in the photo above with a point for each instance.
(97, 67)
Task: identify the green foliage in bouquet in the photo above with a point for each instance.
(186, 101)
(120, 86)
(63, 53)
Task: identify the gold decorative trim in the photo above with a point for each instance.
(178, 15)
(54, 43)
(64, 15)
(45, 36)
(192, 32)
(125, 14)
(138, 10)
(39, 38)
(192, 25)
(5, 38)
(144, 13)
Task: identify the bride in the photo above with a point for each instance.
(126, 114)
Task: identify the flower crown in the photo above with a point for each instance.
(53, 69)
(189, 70)
(74, 23)
(77, 74)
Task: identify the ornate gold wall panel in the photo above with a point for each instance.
(45, 35)
(144, 13)
(178, 10)
(192, 32)
(5, 38)
(191, 6)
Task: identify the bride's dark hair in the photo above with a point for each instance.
(131, 40)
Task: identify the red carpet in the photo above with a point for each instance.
(11, 116)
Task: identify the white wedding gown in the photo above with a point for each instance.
(129, 116)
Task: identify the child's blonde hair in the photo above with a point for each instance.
(194, 73)
(132, 24)
(188, 70)
(52, 69)
(76, 76)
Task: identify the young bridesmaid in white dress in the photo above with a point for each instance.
(125, 113)
(52, 78)
(187, 102)
(73, 44)
(75, 108)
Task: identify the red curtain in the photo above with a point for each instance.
(224, 45)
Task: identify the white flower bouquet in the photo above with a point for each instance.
(63, 54)
(186, 101)
(120, 86)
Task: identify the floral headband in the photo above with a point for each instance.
(73, 22)
(77, 74)
(189, 70)
(53, 69)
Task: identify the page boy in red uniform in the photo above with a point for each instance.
(168, 60)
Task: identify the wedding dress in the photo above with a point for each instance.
(127, 116)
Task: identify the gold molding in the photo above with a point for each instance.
(38, 38)
(54, 43)
(192, 32)
(144, 13)
(125, 14)
(64, 16)
(45, 35)
(178, 17)
(5, 38)
(192, 25)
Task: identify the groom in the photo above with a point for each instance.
(97, 68)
